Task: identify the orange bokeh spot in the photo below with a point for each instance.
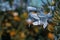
(51, 36)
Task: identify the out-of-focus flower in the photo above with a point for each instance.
(13, 33)
(51, 27)
(16, 18)
(36, 29)
(22, 35)
(25, 15)
(51, 36)
(15, 14)
(8, 24)
(29, 21)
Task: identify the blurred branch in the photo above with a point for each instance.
(43, 2)
(48, 2)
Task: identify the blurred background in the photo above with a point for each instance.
(13, 15)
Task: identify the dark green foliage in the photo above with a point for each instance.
(25, 1)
